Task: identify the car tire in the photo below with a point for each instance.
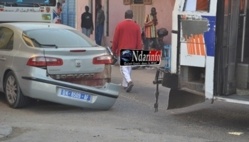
(13, 93)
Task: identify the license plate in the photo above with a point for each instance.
(74, 95)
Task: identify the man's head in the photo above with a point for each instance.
(87, 8)
(153, 11)
(99, 6)
(128, 14)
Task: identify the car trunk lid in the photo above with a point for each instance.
(74, 61)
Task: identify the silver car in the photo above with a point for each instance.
(54, 62)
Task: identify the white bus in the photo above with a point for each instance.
(30, 11)
(209, 53)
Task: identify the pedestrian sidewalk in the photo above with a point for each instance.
(5, 131)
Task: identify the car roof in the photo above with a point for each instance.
(30, 26)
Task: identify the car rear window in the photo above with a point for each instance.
(61, 38)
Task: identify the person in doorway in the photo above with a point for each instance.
(57, 15)
(127, 35)
(150, 31)
(59, 9)
(63, 3)
(99, 23)
(63, 10)
(86, 22)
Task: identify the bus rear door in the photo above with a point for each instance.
(232, 54)
(193, 51)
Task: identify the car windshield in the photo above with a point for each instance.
(61, 38)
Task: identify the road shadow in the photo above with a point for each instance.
(222, 115)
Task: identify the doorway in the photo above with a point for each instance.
(97, 2)
(138, 13)
(232, 53)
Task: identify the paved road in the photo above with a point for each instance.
(132, 118)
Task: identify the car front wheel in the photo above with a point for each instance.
(13, 93)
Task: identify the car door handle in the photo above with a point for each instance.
(2, 58)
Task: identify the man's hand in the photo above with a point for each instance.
(150, 23)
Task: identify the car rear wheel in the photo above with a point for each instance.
(13, 93)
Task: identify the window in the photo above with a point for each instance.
(138, 2)
(196, 5)
(129, 2)
(6, 39)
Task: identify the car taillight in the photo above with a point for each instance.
(106, 59)
(40, 61)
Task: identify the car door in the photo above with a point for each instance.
(6, 46)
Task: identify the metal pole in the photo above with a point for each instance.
(244, 32)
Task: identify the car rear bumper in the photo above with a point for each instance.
(49, 90)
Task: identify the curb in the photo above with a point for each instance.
(5, 131)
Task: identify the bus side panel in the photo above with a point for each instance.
(175, 38)
(192, 82)
(210, 44)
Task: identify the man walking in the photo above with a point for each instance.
(100, 19)
(127, 36)
(87, 22)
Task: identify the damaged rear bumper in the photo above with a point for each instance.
(50, 90)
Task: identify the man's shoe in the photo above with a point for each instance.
(129, 87)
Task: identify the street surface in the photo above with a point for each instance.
(131, 119)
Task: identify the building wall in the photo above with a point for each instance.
(116, 14)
